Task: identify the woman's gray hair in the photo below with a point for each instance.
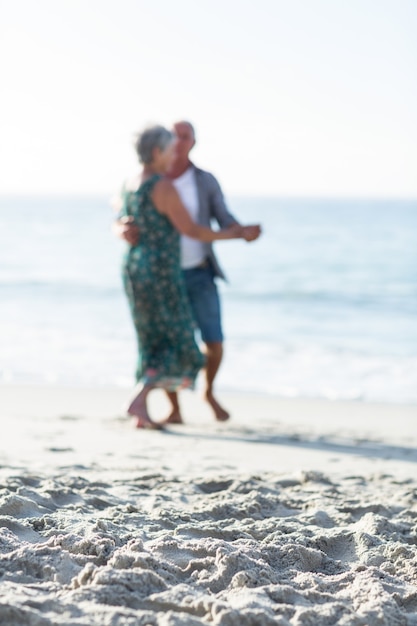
(150, 138)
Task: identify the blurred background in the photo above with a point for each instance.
(306, 113)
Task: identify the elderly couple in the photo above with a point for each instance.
(169, 268)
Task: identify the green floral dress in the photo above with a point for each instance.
(168, 355)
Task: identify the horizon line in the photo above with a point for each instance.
(240, 195)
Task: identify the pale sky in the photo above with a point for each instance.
(289, 97)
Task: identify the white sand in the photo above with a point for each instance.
(294, 513)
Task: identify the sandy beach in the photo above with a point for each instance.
(295, 512)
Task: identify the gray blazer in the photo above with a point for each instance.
(211, 207)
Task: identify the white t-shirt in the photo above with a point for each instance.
(192, 250)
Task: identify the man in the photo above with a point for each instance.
(203, 198)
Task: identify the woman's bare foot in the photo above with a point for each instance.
(139, 410)
(148, 424)
(220, 413)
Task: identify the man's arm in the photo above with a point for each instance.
(251, 232)
(126, 229)
(220, 212)
(218, 208)
(124, 225)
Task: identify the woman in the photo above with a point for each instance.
(168, 354)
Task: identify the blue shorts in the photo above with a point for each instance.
(205, 302)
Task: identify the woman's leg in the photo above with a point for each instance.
(138, 409)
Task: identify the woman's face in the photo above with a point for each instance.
(167, 156)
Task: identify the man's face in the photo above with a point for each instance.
(184, 140)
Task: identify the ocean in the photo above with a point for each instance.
(323, 305)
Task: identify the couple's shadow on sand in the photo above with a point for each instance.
(331, 443)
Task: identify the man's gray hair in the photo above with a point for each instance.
(187, 123)
(150, 138)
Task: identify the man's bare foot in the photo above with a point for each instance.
(174, 418)
(220, 413)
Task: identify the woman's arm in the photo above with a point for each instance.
(168, 202)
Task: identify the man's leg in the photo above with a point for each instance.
(214, 354)
(205, 303)
(175, 416)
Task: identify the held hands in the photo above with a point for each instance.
(127, 229)
(248, 233)
(234, 231)
(251, 232)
